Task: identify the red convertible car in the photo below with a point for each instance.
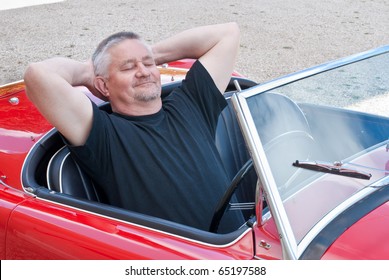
(310, 178)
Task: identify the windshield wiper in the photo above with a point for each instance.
(332, 168)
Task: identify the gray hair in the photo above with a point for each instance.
(101, 57)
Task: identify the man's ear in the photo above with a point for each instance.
(101, 86)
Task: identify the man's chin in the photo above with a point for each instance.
(147, 97)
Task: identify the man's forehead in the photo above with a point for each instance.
(131, 51)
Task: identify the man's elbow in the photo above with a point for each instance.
(31, 78)
(29, 73)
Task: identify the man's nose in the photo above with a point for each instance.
(142, 70)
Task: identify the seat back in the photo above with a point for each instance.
(276, 114)
(65, 176)
(234, 154)
(229, 141)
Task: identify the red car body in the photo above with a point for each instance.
(38, 224)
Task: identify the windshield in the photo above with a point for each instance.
(324, 133)
(361, 86)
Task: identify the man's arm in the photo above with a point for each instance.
(50, 85)
(216, 46)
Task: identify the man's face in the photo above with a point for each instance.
(133, 77)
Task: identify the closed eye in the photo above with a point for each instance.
(127, 67)
(148, 62)
(131, 64)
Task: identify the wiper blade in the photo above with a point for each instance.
(332, 168)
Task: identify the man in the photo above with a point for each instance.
(150, 156)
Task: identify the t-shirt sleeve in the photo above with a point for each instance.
(202, 91)
(86, 154)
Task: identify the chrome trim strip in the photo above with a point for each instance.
(12, 84)
(241, 206)
(381, 183)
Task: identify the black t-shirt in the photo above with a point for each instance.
(166, 164)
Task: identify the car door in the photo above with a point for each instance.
(40, 229)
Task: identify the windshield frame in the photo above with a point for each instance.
(291, 248)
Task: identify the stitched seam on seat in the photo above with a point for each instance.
(60, 171)
(49, 167)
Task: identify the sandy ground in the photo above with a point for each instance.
(278, 36)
